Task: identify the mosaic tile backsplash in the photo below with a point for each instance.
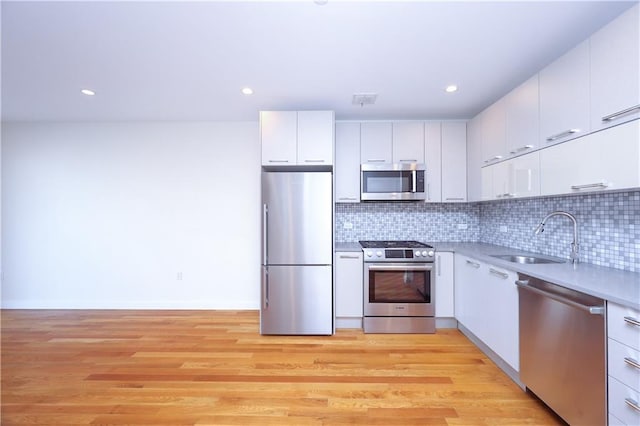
(608, 225)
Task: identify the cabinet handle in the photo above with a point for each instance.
(522, 148)
(265, 280)
(474, 264)
(347, 198)
(618, 114)
(376, 161)
(454, 199)
(344, 256)
(501, 274)
(506, 195)
(632, 321)
(314, 161)
(562, 135)
(590, 185)
(633, 404)
(408, 161)
(278, 161)
(495, 158)
(632, 362)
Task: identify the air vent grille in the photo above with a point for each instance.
(364, 98)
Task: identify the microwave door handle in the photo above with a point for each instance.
(414, 175)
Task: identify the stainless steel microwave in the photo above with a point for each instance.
(392, 181)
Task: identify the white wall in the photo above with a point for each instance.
(107, 215)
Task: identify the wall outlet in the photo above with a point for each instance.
(179, 276)
(462, 226)
(503, 228)
(347, 225)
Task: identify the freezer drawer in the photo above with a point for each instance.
(297, 300)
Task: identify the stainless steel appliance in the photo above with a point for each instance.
(393, 181)
(562, 350)
(297, 248)
(399, 284)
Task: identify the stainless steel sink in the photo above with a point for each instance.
(525, 259)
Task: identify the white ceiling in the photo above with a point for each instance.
(189, 60)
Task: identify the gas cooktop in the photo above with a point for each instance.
(393, 244)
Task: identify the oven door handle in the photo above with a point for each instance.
(400, 267)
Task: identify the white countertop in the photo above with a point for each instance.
(614, 285)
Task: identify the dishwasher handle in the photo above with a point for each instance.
(594, 310)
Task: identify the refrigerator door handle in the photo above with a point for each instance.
(265, 280)
(265, 232)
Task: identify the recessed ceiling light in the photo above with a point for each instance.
(247, 91)
(451, 88)
(88, 92)
(320, 2)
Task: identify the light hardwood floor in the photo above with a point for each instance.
(213, 368)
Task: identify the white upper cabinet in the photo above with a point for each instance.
(522, 124)
(376, 142)
(564, 97)
(278, 134)
(433, 161)
(297, 138)
(347, 167)
(315, 137)
(474, 158)
(515, 178)
(408, 142)
(599, 161)
(493, 133)
(615, 71)
(454, 159)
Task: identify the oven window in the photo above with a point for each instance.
(387, 181)
(399, 287)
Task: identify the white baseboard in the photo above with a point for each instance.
(136, 304)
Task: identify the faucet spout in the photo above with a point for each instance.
(574, 245)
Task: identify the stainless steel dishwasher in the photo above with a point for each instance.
(562, 350)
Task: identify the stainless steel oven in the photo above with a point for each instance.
(399, 283)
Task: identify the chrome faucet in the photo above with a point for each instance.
(574, 244)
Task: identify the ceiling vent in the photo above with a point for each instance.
(363, 99)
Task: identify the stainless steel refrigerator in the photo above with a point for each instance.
(297, 253)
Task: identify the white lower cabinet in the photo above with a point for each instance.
(623, 365)
(486, 303)
(444, 285)
(348, 287)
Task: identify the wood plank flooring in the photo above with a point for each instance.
(213, 368)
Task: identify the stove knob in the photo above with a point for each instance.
(431, 253)
(424, 254)
(379, 253)
(417, 253)
(369, 253)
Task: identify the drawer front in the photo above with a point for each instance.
(620, 325)
(620, 398)
(624, 364)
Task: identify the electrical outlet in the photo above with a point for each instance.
(179, 276)
(503, 228)
(462, 226)
(347, 225)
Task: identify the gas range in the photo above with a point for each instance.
(397, 251)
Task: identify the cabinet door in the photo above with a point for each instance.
(500, 180)
(278, 136)
(432, 161)
(375, 142)
(524, 175)
(444, 285)
(493, 133)
(454, 159)
(502, 336)
(487, 188)
(564, 97)
(315, 137)
(347, 168)
(615, 71)
(609, 159)
(474, 158)
(467, 293)
(408, 142)
(349, 289)
(522, 124)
